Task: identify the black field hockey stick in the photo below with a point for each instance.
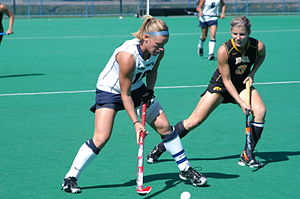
(250, 141)
(248, 114)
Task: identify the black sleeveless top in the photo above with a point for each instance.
(239, 63)
(1, 17)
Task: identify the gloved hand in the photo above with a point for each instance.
(146, 98)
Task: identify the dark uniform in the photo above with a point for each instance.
(240, 66)
(1, 26)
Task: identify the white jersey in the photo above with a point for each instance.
(210, 10)
(109, 80)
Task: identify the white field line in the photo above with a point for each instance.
(159, 87)
(126, 36)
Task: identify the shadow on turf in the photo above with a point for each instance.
(21, 75)
(268, 157)
(172, 179)
(278, 156)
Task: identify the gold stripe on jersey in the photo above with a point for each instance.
(234, 46)
(218, 78)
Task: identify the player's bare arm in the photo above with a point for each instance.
(261, 52)
(200, 7)
(5, 10)
(127, 66)
(225, 73)
(223, 10)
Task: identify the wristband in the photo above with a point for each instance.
(135, 122)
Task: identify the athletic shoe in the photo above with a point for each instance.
(200, 51)
(153, 156)
(211, 57)
(70, 185)
(196, 178)
(250, 162)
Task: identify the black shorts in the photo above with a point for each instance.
(218, 87)
(114, 101)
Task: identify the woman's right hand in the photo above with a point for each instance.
(245, 107)
(139, 128)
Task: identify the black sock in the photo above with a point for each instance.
(257, 129)
(180, 129)
(249, 144)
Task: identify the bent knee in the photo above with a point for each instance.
(165, 130)
(100, 139)
(260, 113)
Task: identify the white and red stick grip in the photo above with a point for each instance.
(140, 172)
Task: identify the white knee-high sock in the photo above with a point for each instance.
(84, 156)
(211, 47)
(173, 145)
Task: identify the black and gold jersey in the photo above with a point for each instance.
(240, 63)
(1, 17)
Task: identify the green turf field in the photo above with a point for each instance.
(48, 72)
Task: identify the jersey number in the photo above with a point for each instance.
(241, 69)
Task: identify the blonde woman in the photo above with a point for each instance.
(120, 86)
(239, 58)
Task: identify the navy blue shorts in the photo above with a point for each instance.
(114, 101)
(208, 23)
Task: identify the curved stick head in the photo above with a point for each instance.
(144, 191)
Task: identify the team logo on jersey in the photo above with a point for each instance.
(142, 66)
(217, 88)
(241, 69)
(243, 59)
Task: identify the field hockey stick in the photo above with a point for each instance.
(191, 13)
(3, 33)
(140, 172)
(248, 113)
(196, 14)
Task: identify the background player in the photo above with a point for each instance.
(208, 18)
(4, 9)
(120, 86)
(238, 60)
